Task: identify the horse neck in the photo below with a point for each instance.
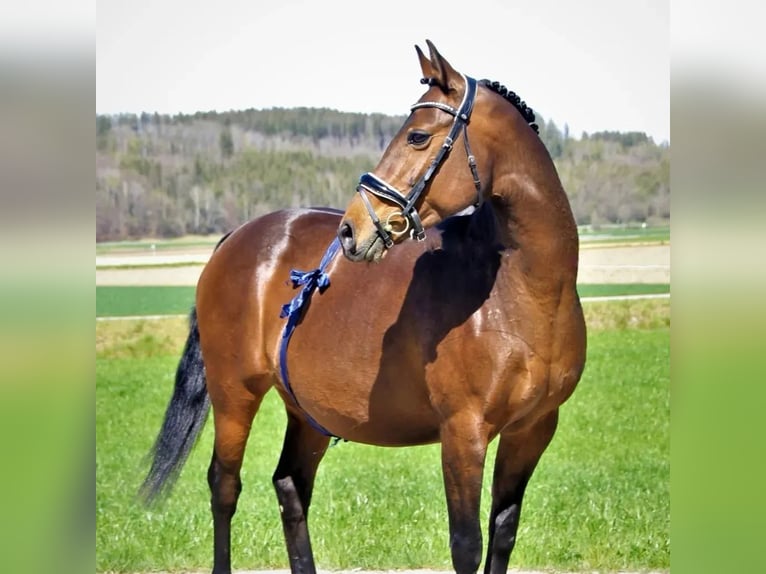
(533, 212)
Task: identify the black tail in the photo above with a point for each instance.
(184, 419)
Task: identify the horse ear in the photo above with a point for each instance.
(425, 66)
(445, 75)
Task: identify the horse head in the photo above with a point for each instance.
(420, 159)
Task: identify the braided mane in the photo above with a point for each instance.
(525, 111)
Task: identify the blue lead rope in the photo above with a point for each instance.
(310, 282)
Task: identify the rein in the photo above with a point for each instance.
(294, 311)
(369, 182)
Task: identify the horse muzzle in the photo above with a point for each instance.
(371, 249)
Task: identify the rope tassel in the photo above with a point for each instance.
(309, 281)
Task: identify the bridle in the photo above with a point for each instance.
(369, 182)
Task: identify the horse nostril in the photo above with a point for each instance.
(346, 236)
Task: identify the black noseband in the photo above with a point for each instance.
(369, 182)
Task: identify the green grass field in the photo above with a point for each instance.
(605, 234)
(186, 242)
(113, 301)
(598, 501)
(624, 234)
(143, 300)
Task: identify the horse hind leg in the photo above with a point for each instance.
(233, 411)
(517, 457)
(293, 480)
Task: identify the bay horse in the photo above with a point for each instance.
(453, 318)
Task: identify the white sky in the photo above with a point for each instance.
(594, 64)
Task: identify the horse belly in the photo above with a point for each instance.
(355, 391)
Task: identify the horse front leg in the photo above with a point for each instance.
(293, 480)
(464, 448)
(517, 457)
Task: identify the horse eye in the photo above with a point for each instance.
(418, 139)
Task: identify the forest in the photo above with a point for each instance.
(205, 173)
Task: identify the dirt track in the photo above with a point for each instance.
(620, 264)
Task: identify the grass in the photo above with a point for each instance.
(624, 234)
(607, 289)
(116, 301)
(150, 266)
(605, 234)
(106, 247)
(144, 300)
(141, 338)
(598, 501)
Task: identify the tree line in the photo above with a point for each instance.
(167, 176)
